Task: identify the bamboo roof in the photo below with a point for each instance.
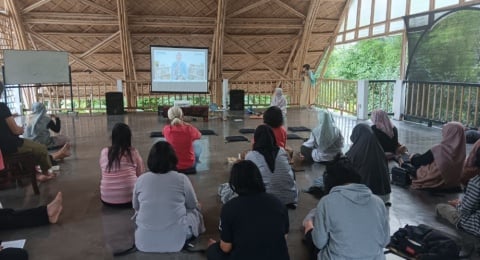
(247, 39)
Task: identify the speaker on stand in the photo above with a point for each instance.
(114, 102)
(237, 99)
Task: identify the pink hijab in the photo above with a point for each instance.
(382, 122)
(449, 156)
(470, 162)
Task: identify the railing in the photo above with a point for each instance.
(259, 93)
(380, 95)
(339, 95)
(443, 102)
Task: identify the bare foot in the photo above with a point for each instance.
(211, 242)
(54, 208)
(44, 177)
(62, 153)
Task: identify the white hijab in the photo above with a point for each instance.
(326, 133)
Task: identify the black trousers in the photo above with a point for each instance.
(214, 252)
(312, 249)
(13, 254)
(10, 218)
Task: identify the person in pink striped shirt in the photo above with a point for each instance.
(121, 164)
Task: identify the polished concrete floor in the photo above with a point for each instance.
(87, 230)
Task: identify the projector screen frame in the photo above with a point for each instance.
(206, 49)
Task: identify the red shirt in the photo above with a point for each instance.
(181, 137)
(280, 136)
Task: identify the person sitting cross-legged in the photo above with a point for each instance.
(253, 225)
(350, 222)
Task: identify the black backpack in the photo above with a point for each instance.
(423, 242)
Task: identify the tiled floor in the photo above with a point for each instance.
(87, 230)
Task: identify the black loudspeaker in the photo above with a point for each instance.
(237, 97)
(114, 102)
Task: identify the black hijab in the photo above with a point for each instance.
(369, 160)
(266, 145)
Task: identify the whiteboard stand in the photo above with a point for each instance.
(39, 85)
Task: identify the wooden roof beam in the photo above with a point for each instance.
(97, 6)
(34, 6)
(261, 60)
(58, 48)
(307, 33)
(248, 8)
(98, 46)
(18, 26)
(289, 8)
(329, 50)
(256, 56)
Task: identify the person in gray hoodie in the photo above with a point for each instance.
(350, 222)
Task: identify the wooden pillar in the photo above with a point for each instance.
(127, 55)
(217, 51)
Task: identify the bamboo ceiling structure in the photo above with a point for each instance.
(247, 39)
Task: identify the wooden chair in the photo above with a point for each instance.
(19, 166)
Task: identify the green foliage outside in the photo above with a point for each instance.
(373, 59)
(449, 52)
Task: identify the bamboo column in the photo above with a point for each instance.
(217, 51)
(22, 42)
(127, 55)
(306, 34)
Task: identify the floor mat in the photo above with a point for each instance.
(236, 138)
(207, 132)
(156, 134)
(294, 136)
(247, 131)
(299, 129)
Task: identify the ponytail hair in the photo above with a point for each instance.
(175, 114)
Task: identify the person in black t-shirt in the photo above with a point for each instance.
(253, 225)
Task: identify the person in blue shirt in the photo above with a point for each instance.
(179, 69)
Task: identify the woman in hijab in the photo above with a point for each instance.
(471, 166)
(39, 126)
(273, 163)
(279, 101)
(387, 136)
(325, 142)
(441, 166)
(369, 160)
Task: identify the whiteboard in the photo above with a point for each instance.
(35, 67)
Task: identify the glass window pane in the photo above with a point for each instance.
(349, 36)
(380, 12)
(363, 33)
(396, 25)
(352, 15)
(365, 11)
(379, 29)
(398, 8)
(419, 6)
(339, 38)
(443, 3)
(418, 21)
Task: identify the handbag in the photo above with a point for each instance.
(401, 177)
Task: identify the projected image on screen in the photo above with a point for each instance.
(176, 69)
